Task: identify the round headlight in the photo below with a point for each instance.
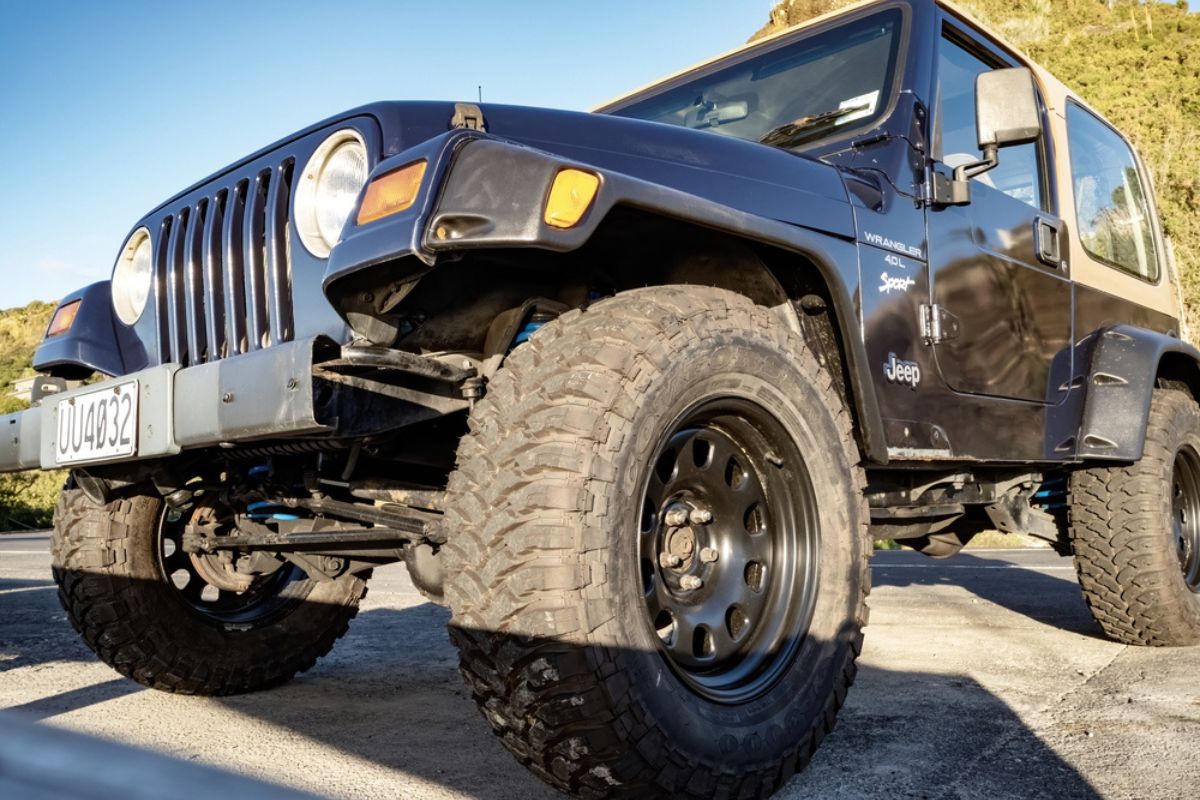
(132, 277)
(328, 187)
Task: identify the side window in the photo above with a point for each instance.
(1111, 206)
(1019, 174)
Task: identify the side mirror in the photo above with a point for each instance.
(1006, 113)
(1006, 108)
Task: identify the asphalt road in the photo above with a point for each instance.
(983, 676)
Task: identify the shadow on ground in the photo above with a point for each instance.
(388, 691)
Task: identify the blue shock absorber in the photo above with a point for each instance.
(261, 511)
(527, 330)
(1052, 494)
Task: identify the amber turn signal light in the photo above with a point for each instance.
(571, 196)
(391, 192)
(63, 319)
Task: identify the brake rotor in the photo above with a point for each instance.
(216, 569)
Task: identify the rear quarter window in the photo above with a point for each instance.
(1112, 206)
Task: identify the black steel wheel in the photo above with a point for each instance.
(182, 624)
(1185, 513)
(729, 546)
(658, 569)
(210, 584)
(1135, 529)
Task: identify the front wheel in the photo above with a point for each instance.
(183, 622)
(659, 570)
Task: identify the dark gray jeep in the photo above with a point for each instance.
(632, 392)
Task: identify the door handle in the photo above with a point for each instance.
(1047, 240)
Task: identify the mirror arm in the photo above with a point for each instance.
(957, 190)
(991, 159)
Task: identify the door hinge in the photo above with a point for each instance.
(937, 324)
(469, 116)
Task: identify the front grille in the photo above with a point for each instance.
(223, 270)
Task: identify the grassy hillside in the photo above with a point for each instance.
(1137, 63)
(20, 331)
(26, 499)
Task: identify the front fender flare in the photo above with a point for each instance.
(92, 343)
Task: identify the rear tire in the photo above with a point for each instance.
(550, 585)
(1136, 532)
(111, 582)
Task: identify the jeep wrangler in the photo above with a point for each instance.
(632, 392)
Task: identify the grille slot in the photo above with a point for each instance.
(232, 237)
(223, 269)
(279, 271)
(193, 285)
(212, 274)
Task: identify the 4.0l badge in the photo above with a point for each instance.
(905, 373)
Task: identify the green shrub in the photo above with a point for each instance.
(27, 498)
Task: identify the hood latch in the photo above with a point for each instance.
(469, 116)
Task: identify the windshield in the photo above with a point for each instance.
(825, 84)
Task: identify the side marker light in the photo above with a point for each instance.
(63, 319)
(571, 195)
(391, 192)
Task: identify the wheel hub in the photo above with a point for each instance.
(723, 558)
(678, 548)
(681, 542)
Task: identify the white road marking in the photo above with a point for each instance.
(25, 589)
(1027, 550)
(1028, 567)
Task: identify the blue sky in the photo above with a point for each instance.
(106, 109)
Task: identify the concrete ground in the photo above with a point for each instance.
(983, 676)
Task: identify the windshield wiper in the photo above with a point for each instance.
(799, 130)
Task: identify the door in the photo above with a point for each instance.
(999, 292)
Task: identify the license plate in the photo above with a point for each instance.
(97, 425)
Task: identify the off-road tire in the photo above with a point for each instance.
(538, 571)
(116, 598)
(1125, 553)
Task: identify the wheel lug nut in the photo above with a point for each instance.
(700, 516)
(690, 582)
(676, 516)
(709, 555)
(669, 560)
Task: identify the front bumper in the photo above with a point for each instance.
(265, 394)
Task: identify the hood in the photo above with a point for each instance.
(750, 177)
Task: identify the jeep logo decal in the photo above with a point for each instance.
(905, 373)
